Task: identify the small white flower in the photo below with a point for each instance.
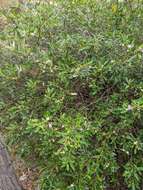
(127, 152)
(130, 108)
(141, 50)
(136, 142)
(50, 125)
(73, 94)
(72, 185)
(47, 118)
(107, 165)
(130, 46)
(53, 3)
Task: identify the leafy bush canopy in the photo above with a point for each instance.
(71, 85)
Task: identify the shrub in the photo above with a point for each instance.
(72, 92)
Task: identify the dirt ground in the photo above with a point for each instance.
(27, 172)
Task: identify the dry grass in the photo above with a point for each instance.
(7, 3)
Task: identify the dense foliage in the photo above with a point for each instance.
(71, 80)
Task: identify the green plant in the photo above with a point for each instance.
(72, 92)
